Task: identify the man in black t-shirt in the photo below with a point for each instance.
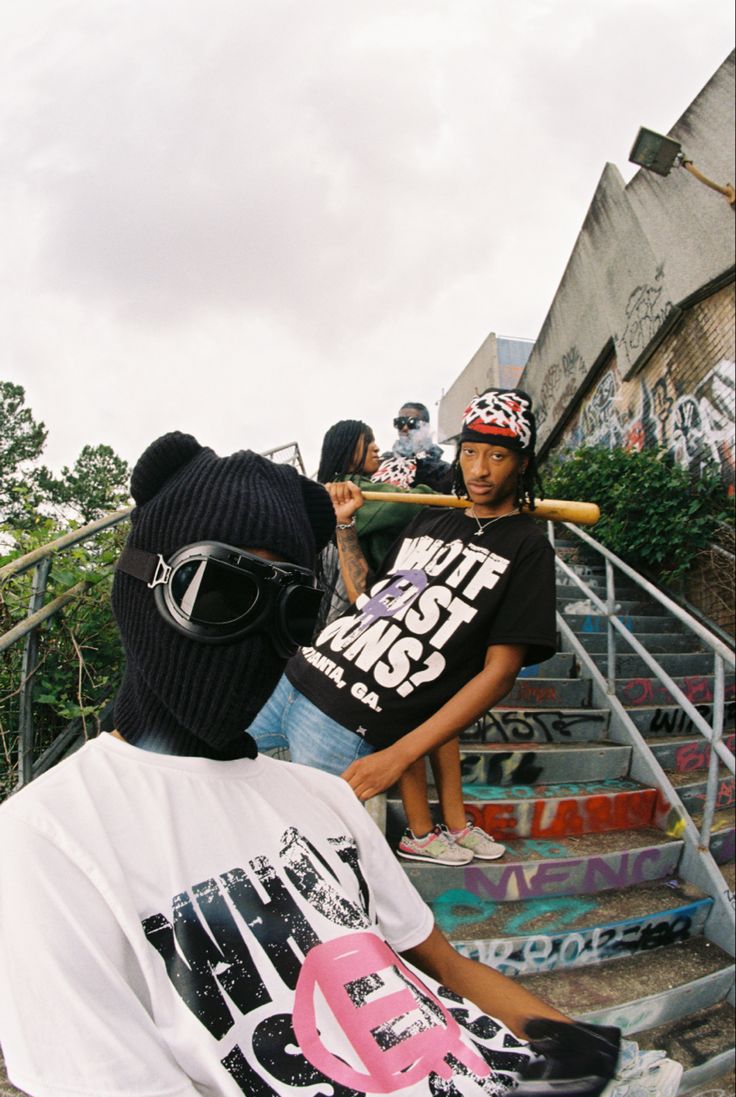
(464, 599)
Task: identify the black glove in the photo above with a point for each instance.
(578, 1060)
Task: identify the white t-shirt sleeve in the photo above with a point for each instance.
(403, 917)
(73, 1014)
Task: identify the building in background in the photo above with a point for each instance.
(499, 362)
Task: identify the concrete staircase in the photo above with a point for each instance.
(593, 907)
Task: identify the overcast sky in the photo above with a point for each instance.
(251, 218)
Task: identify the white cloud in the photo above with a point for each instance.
(251, 219)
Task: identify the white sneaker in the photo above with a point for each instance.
(480, 844)
(436, 847)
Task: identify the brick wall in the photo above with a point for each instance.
(682, 399)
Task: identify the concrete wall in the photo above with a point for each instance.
(629, 296)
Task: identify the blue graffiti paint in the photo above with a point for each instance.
(546, 792)
(565, 910)
(599, 624)
(545, 848)
(457, 907)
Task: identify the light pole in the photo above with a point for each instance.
(657, 153)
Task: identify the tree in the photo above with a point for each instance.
(95, 485)
(23, 440)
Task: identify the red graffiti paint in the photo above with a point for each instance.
(559, 818)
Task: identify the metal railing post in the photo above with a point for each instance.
(610, 631)
(713, 762)
(551, 533)
(28, 669)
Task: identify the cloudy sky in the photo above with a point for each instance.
(251, 218)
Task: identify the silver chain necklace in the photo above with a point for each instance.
(483, 526)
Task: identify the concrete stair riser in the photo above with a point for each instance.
(593, 623)
(723, 844)
(588, 873)
(548, 693)
(574, 948)
(546, 765)
(625, 607)
(703, 1044)
(646, 690)
(549, 811)
(538, 726)
(679, 980)
(559, 666)
(694, 792)
(655, 721)
(687, 755)
(675, 664)
(669, 1005)
(596, 643)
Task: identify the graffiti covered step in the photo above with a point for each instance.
(548, 693)
(687, 754)
(675, 981)
(547, 811)
(655, 642)
(698, 688)
(629, 665)
(567, 725)
(534, 869)
(691, 788)
(657, 721)
(593, 622)
(723, 835)
(571, 931)
(702, 1043)
(542, 763)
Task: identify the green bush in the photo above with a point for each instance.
(654, 514)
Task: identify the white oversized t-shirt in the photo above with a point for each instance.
(180, 926)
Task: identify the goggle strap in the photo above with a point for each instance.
(140, 564)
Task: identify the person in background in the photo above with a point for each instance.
(432, 640)
(185, 918)
(349, 452)
(415, 458)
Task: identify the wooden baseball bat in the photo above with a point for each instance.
(554, 510)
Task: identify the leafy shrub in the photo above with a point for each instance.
(654, 514)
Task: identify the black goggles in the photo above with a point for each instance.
(216, 593)
(410, 421)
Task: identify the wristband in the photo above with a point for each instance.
(345, 525)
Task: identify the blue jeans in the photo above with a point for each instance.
(289, 720)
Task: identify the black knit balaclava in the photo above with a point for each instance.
(178, 695)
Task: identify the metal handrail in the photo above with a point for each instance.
(83, 533)
(721, 655)
(701, 631)
(28, 629)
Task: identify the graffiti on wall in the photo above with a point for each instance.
(645, 313)
(695, 427)
(561, 382)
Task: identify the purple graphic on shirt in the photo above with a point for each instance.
(404, 588)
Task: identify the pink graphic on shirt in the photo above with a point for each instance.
(395, 1025)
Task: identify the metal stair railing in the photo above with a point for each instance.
(700, 860)
(28, 629)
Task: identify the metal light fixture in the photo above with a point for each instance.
(658, 153)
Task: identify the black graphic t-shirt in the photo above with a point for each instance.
(445, 593)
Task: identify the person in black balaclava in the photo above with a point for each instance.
(184, 916)
(180, 696)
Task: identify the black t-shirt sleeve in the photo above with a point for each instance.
(527, 612)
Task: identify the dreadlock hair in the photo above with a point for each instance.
(338, 446)
(525, 483)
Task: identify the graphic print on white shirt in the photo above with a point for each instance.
(359, 1016)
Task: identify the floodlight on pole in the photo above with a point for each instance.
(658, 153)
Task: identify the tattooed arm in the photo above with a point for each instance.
(347, 499)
